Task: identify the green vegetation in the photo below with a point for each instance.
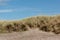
(44, 23)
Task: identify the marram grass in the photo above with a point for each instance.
(43, 23)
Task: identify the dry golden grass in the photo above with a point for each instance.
(44, 23)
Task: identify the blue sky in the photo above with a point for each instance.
(19, 9)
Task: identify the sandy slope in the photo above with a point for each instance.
(30, 35)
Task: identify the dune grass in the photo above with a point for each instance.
(44, 23)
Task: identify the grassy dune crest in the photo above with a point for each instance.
(43, 23)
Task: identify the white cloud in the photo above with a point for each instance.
(7, 10)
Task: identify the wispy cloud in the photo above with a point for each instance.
(6, 10)
(4, 2)
(35, 9)
(28, 9)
